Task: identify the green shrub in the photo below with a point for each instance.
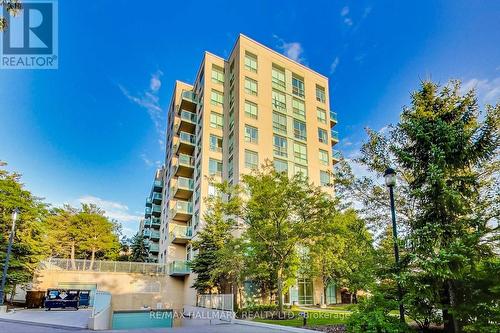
(372, 316)
(256, 309)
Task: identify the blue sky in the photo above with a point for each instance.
(91, 131)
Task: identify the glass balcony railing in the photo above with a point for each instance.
(158, 184)
(156, 209)
(181, 233)
(333, 116)
(146, 233)
(147, 211)
(188, 116)
(154, 248)
(186, 160)
(183, 207)
(185, 183)
(157, 197)
(189, 96)
(155, 222)
(154, 234)
(335, 135)
(149, 202)
(336, 154)
(187, 138)
(179, 267)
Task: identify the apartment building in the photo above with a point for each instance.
(150, 225)
(257, 105)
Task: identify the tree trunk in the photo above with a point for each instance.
(450, 322)
(72, 255)
(12, 293)
(280, 291)
(92, 259)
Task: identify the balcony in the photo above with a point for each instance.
(154, 248)
(179, 268)
(184, 187)
(336, 156)
(188, 121)
(149, 202)
(155, 222)
(188, 101)
(154, 235)
(333, 118)
(156, 210)
(146, 233)
(184, 166)
(180, 234)
(157, 197)
(147, 223)
(186, 143)
(335, 136)
(182, 210)
(147, 212)
(158, 186)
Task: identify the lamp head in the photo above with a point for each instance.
(390, 177)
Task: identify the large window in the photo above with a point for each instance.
(279, 122)
(251, 62)
(251, 110)
(280, 146)
(300, 152)
(324, 178)
(323, 157)
(250, 86)
(298, 86)
(299, 130)
(251, 159)
(217, 74)
(278, 78)
(216, 120)
(214, 167)
(280, 165)
(279, 101)
(215, 143)
(321, 115)
(216, 98)
(251, 134)
(299, 109)
(320, 94)
(322, 135)
(300, 169)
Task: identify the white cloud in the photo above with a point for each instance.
(367, 12)
(150, 101)
(348, 21)
(344, 11)
(333, 66)
(114, 210)
(487, 91)
(292, 50)
(146, 160)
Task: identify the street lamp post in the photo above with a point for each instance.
(390, 181)
(7, 258)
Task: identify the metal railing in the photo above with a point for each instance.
(59, 264)
(218, 302)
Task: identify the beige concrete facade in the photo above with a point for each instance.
(238, 114)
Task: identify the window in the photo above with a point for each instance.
(217, 98)
(251, 62)
(320, 94)
(324, 178)
(251, 110)
(216, 120)
(250, 86)
(279, 122)
(321, 115)
(299, 130)
(280, 146)
(323, 157)
(322, 135)
(214, 167)
(278, 78)
(299, 108)
(251, 159)
(217, 74)
(300, 152)
(279, 101)
(212, 190)
(215, 143)
(300, 169)
(251, 134)
(298, 86)
(281, 165)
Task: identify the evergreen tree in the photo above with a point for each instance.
(140, 252)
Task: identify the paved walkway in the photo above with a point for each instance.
(18, 327)
(70, 317)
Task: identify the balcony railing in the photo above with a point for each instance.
(336, 155)
(147, 223)
(184, 207)
(185, 183)
(179, 268)
(155, 248)
(188, 116)
(155, 222)
(333, 117)
(186, 160)
(149, 202)
(189, 96)
(147, 212)
(154, 235)
(157, 197)
(58, 264)
(335, 135)
(181, 234)
(187, 138)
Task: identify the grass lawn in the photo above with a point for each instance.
(317, 317)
